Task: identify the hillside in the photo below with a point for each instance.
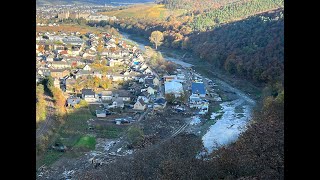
(147, 12)
(237, 38)
(98, 2)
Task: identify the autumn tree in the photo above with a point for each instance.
(156, 38)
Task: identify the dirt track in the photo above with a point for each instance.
(50, 117)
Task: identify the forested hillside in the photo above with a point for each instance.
(251, 48)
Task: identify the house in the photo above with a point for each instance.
(115, 62)
(198, 88)
(150, 90)
(50, 58)
(101, 113)
(60, 64)
(144, 98)
(56, 83)
(105, 95)
(140, 105)
(44, 71)
(82, 72)
(169, 78)
(148, 71)
(173, 87)
(159, 103)
(69, 85)
(87, 68)
(194, 98)
(125, 95)
(88, 95)
(72, 101)
(141, 80)
(59, 73)
(148, 81)
(118, 102)
(73, 40)
(156, 81)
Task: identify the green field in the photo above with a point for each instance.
(88, 142)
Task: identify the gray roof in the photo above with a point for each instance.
(87, 92)
(123, 93)
(142, 102)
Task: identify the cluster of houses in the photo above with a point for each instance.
(174, 85)
(68, 57)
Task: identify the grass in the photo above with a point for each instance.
(216, 107)
(50, 157)
(110, 132)
(88, 142)
(70, 134)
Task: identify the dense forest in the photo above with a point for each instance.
(196, 6)
(258, 154)
(231, 12)
(251, 48)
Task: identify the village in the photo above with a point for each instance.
(122, 88)
(122, 79)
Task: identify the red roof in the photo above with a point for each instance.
(64, 52)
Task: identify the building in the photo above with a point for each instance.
(88, 95)
(73, 40)
(198, 89)
(118, 102)
(140, 105)
(159, 104)
(105, 95)
(72, 101)
(173, 87)
(60, 65)
(101, 113)
(59, 73)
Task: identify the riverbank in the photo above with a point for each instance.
(204, 67)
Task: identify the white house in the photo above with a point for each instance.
(156, 81)
(118, 102)
(140, 105)
(145, 99)
(88, 95)
(87, 68)
(150, 90)
(101, 113)
(106, 95)
(173, 87)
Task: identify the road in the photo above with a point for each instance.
(50, 117)
(144, 114)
